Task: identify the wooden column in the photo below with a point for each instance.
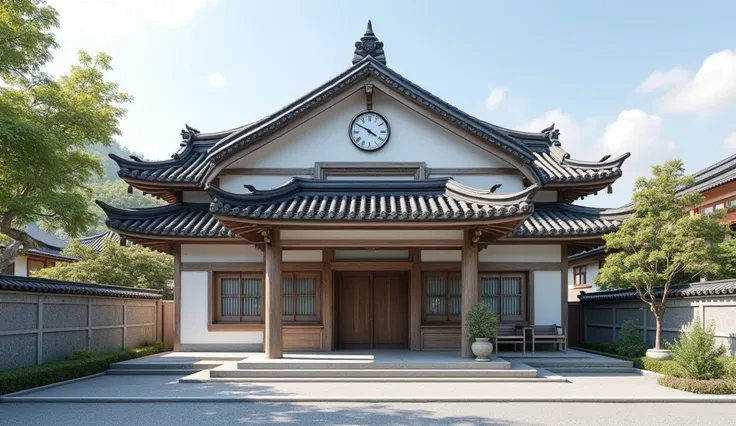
(328, 304)
(564, 266)
(469, 275)
(272, 339)
(415, 302)
(177, 297)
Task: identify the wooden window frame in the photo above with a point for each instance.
(581, 270)
(437, 319)
(306, 319)
(237, 319)
(42, 261)
(523, 316)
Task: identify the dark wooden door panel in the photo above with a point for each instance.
(354, 312)
(390, 323)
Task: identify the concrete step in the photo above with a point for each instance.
(173, 365)
(152, 372)
(227, 371)
(262, 363)
(590, 369)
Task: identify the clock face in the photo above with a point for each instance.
(369, 131)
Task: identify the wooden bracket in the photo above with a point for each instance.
(369, 97)
(476, 235)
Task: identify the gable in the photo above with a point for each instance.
(322, 138)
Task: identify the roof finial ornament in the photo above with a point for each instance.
(369, 45)
(553, 135)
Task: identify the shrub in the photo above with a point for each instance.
(696, 351)
(57, 371)
(714, 386)
(630, 343)
(666, 367)
(83, 354)
(729, 367)
(601, 347)
(481, 322)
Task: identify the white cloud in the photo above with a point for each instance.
(729, 143)
(217, 80)
(496, 97)
(704, 94)
(664, 78)
(120, 17)
(573, 134)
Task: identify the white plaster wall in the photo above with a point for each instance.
(590, 273)
(220, 253)
(548, 297)
(521, 253)
(362, 234)
(301, 255)
(545, 197)
(324, 138)
(570, 278)
(441, 255)
(196, 197)
(509, 183)
(234, 183)
(21, 266)
(194, 300)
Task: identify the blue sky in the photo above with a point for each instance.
(657, 78)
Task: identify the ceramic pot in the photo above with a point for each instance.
(482, 349)
(659, 354)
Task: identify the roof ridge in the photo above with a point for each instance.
(85, 284)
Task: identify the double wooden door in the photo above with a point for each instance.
(372, 310)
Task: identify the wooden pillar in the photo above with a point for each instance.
(328, 303)
(469, 276)
(272, 340)
(564, 311)
(415, 302)
(177, 297)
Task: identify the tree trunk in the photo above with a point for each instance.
(7, 256)
(658, 334)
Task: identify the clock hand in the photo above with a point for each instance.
(367, 129)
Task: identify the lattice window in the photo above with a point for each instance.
(299, 295)
(505, 294)
(442, 293)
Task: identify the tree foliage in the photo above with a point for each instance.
(661, 242)
(133, 266)
(698, 353)
(116, 194)
(45, 126)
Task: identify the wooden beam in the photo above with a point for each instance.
(563, 270)
(273, 341)
(469, 276)
(177, 297)
(328, 304)
(415, 302)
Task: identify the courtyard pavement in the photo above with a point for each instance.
(336, 413)
(580, 388)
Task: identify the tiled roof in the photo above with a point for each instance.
(175, 220)
(51, 252)
(560, 219)
(323, 200)
(97, 242)
(707, 288)
(586, 253)
(712, 176)
(47, 238)
(43, 285)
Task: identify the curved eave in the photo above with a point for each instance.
(365, 68)
(564, 221)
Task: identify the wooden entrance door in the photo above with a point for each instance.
(372, 310)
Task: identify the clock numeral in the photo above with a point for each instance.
(381, 123)
(382, 139)
(355, 132)
(383, 131)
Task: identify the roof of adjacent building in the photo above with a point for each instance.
(51, 252)
(707, 288)
(712, 176)
(97, 241)
(43, 285)
(587, 253)
(346, 200)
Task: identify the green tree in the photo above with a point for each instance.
(45, 126)
(661, 242)
(133, 266)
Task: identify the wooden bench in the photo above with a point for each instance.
(506, 333)
(548, 334)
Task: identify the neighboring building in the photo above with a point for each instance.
(97, 241)
(582, 270)
(717, 184)
(47, 254)
(368, 213)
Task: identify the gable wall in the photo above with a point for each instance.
(414, 138)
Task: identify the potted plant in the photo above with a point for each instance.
(481, 329)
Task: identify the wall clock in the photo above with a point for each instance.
(369, 131)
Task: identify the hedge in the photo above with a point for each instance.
(712, 386)
(19, 379)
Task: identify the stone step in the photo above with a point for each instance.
(543, 363)
(354, 373)
(260, 363)
(152, 372)
(173, 365)
(607, 370)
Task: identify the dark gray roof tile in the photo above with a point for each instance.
(707, 288)
(43, 285)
